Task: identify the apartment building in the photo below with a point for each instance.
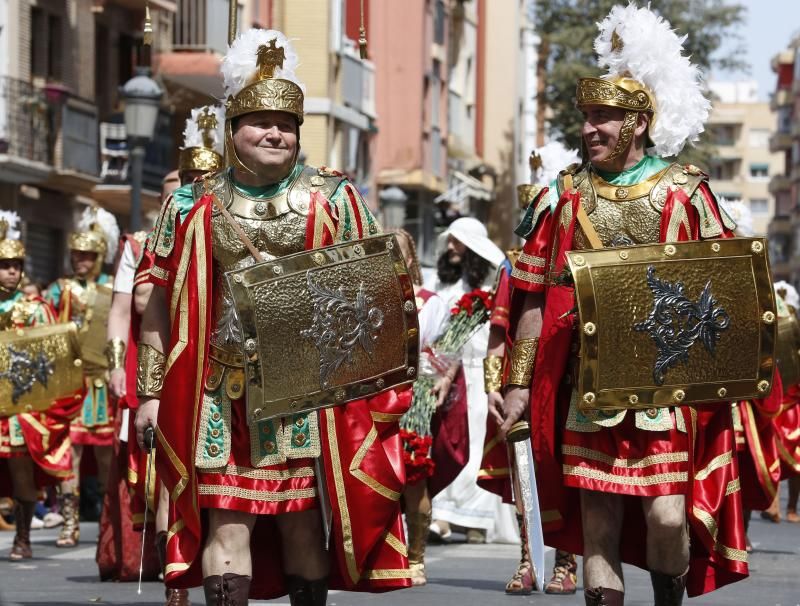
(61, 63)
(740, 127)
(784, 229)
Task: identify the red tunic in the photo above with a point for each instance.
(604, 460)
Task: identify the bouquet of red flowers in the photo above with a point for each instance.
(470, 312)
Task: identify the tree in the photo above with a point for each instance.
(568, 28)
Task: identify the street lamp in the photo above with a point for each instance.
(142, 97)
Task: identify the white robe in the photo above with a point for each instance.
(463, 503)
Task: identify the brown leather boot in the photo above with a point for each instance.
(418, 525)
(600, 596)
(565, 575)
(307, 593)
(177, 597)
(668, 590)
(70, 530)
(23, 515)
(226, 590)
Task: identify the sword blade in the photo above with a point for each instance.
(529, 499)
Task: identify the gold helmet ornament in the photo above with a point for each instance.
(647, 73)
(98, 232)
(11, 246)
(203, 141)
(259, 75)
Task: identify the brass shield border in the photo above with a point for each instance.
(67, 377)
(591, 397)
(259, 404)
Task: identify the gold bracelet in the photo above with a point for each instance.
(523, 355)
(149, 372)
(492, 373)
(115, 353)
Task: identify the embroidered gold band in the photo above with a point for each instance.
(523, 355)
(115, 353)
(492, 373)
(149, 372)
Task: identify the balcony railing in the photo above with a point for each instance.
(358, 83)
(24, 121)
(201, 25)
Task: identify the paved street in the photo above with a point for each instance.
(460, 574)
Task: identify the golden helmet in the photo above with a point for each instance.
(203, 140)
(11, 247)
(259, 75)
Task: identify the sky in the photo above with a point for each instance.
(768, 29)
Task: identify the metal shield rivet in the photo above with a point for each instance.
(678, 395)
(715, 247)
(669, 250)
(763, 386)
(589, 328)
(768, 317)
(757, 247)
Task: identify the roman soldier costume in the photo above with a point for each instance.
(40, 430)
(85, 301)
(215, 448)
(644, 450)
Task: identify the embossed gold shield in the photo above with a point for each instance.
(93, 335)
(37, 366)
(787, 354)
(669, 324)
(326, 326)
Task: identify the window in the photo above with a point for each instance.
(759, 206)
(438, 22)
(45, 44)
(758, 137)
(759, 171)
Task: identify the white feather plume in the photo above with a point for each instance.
(107, 222)
(239, 65)
(555, 158)
(791, 297)
(652, 53)
(741, 215)
(12, 219)
(193, 136)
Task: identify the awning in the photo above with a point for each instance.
(462, 188)
(197, 71)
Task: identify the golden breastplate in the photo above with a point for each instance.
(275, 225)
(629, 218)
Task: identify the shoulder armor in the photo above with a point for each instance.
(582, 181)
(323, 180)
(215, 184)
(163, 239)
(687, 178)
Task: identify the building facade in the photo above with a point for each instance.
(784, 229)
(740, 127)
(61, 62)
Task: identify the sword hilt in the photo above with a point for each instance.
(519, 432)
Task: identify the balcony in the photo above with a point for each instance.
(25, 133)
(358, 83)
(780, 142)
(781, 98)
(201, 25)
(779, 183)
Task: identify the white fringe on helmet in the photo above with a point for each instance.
(741, 215)
(13, 220)
(652, 54)
(239, 64)
(555, 158)
(193, 136)
(791, 298)
(107, 223)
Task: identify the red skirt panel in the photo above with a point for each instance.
(624, 459)
(271, 490)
